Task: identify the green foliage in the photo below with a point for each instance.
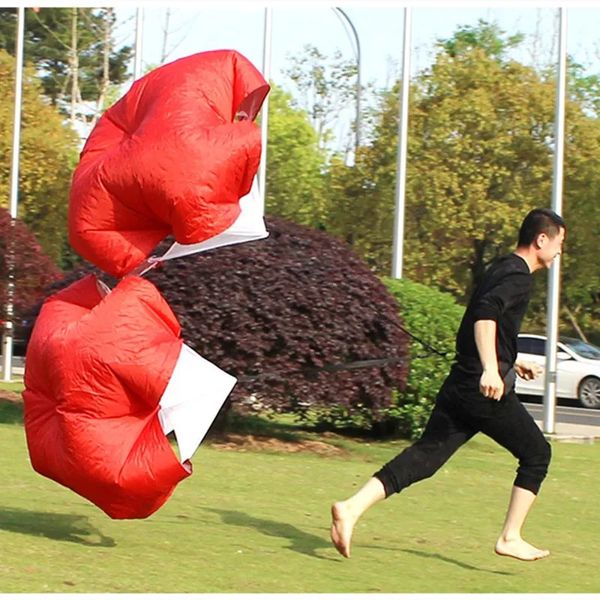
(295, 182)
(434, 317)
(49, 44)
(486, 36)
(584, 88)
(480, 162)
(48, 156)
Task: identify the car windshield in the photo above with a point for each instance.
(582, 348)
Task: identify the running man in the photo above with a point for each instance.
(478, 395)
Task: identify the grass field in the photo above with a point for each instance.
(258, 522)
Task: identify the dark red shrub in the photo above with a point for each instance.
(272, 310)
(33, 270)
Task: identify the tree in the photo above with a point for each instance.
(361, 197)
(48, 155)
(295, 182)
(483, 160)
(580, 293)
(484, 36)
(73, 52)
(478, 158)
(325, 86)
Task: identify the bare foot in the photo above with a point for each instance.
(342, 524)
(519, 548)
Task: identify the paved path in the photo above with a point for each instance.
(572, 424)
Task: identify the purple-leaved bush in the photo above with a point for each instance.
(267, 311)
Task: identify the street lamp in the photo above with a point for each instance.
(339, 11)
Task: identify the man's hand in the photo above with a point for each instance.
(528, 370)
(491, 384)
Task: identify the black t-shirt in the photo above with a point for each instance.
(502, 296)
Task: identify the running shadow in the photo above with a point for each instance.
(55, 526)
(452, 561)
(300, 541)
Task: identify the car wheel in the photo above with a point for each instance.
(589, 392)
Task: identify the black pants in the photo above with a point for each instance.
(460, 412)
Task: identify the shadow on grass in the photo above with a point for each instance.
(300, 541)
(55, 526)
(451, 561)
(10, 412)
(258, 425)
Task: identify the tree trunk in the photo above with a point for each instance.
(575, 324)
(478, 264)
(106, 48)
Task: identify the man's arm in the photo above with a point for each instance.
(490, 384)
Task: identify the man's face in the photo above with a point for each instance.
(549, 247)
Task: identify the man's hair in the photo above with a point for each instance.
(540, 220)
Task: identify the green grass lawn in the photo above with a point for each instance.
(12, 386)
(258, 522)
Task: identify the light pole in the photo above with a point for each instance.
(339, 11)
(7, 338)
(557, 192)
(264, 119)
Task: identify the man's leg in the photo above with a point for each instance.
(344, 514)
(443, 435)
(514, 429)
(510, 542)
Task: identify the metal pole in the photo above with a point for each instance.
(264, 119)
(7, 338)
(139, 35)
(557, 192)
(358, 79)
(397, 252)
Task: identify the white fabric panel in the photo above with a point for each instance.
(195, 393)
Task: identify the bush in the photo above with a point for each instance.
(272, 310)
(33, 272)
(434, 317)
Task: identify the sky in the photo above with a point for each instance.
(199, 26)
(194, 27)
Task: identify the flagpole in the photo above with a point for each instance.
(557, 193)
(397, 252)
(7, 338)
(139, 35)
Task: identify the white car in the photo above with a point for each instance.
(577, 369)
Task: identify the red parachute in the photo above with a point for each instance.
(168, 158)
(92, 397)
(107, 375)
